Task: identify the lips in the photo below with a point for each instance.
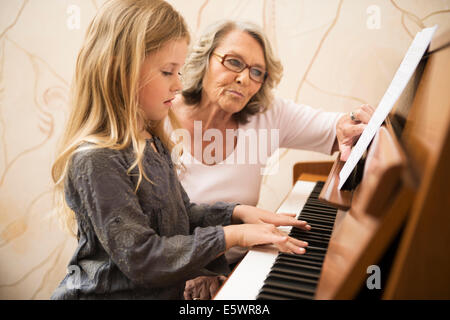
(168, 103)
(236, 93)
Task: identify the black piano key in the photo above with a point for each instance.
(308, 283)
(299, 258)
(292, 269)
(318, 205)
(313, 209)
(306, 215)
(318, 226)
(309, 235)
(313, 237)
(321, 231)
(311, 217)
(286, 294)
(268, 296)
(318, 234)
(308, 257)
(296, 276)
(292, 285)
(314, 255)
(317, 214)
(309, 238)
(314, 248)
(320, 202)
(325, 221)
(300, 264)
(311, 242)
(305, 264)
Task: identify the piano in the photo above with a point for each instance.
(393, 220)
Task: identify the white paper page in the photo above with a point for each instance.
(398, 84)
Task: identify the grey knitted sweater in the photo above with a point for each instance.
(142, 245)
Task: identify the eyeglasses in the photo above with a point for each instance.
(236, 64)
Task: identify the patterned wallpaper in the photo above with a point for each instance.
(337, 54)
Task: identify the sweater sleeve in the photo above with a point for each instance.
(303, 127)
(122, 228)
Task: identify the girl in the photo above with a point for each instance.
(138, 234)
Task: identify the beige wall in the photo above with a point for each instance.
(337, 54)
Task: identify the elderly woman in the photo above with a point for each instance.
(229, 77)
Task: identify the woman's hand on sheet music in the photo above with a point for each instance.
(250, 214)
(249, 235)
(348, 130)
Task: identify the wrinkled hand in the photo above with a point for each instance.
(203, 288)
(348, 131)
(254, 215)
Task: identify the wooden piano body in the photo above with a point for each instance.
(398, 217)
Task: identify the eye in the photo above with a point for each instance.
(166, 73)
(257, 72)
(234, 62)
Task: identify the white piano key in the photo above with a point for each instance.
(248, 277)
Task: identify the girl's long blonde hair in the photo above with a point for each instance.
(104, 95)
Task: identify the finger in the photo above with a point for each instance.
(289, 247)
(290, 221)
(293, 243)
(214, 287)
(302, 225)
(287, 214)
(278, 239)
(204, 292)
(189, 285)
(368, 108)
(277, 236)
(187, 295)
(363, 115)
(298, 243)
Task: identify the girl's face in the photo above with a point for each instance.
(159, 80)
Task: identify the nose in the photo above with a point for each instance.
(177, 85)
(243, 77)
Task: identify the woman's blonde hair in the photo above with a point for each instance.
(104, 96)
(198, 60)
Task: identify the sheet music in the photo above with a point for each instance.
(398, 84)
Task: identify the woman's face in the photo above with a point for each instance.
(159, 79)
(231, 90)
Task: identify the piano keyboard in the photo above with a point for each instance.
(252, 274)
(296, 276)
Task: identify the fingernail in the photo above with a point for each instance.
(301, 250)
(305, 243)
